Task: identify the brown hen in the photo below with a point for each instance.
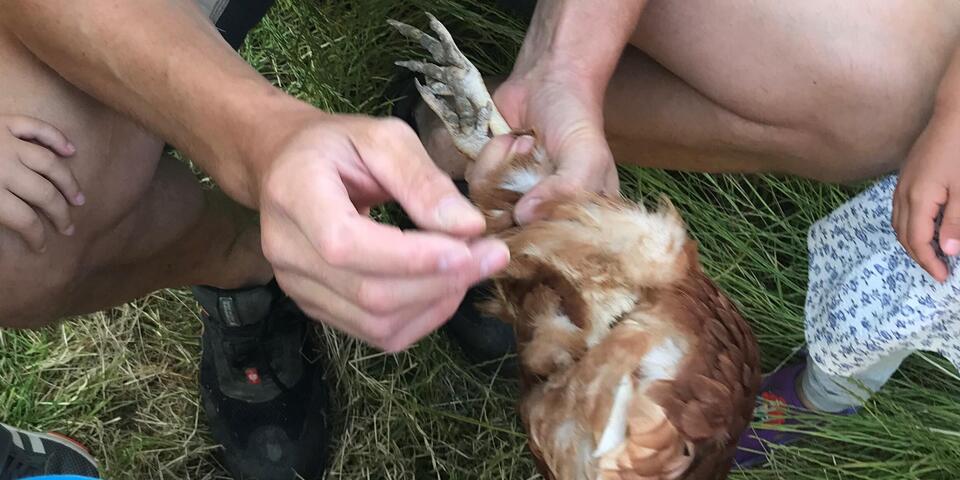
(634, 364)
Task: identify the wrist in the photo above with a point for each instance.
(579, 41)
(253, 134)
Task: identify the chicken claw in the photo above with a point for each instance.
(454, 89)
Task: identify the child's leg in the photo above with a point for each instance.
(825, 392)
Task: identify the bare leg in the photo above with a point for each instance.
(176, 236)
(834, 91)
(146, 224)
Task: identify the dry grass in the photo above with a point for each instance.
(124, 381)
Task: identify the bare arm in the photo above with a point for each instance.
(309, 173)
(583, 38)
(165, 65)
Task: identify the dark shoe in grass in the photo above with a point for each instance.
(32, 454)
(778, 397)
(267, 406)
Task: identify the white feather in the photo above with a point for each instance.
(616, 430)
(521, 181)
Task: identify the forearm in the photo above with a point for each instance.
(586, 38)
(163, 64)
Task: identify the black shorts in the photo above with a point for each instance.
(235, 18)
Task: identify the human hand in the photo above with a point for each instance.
(386, 287)
(929, 184)
(34, 180)
(567, 118)
(557, 88)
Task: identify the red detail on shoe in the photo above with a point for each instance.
(773, 410)
(71, 440)
(253, 376)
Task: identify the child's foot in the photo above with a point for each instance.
(779, 394)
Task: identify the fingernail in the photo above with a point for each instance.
(80, 199)
(71, 149)
(523, 145)
(69, 230)
(495, 260)
(526, 213)
(454, 260)
(454, 211)
(951, 247)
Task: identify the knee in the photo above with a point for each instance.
(36, 286)
(873, 107)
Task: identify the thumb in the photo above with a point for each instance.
(554, 187)
(950, 226)
(400, 164)
(498, 151)
(584, 164)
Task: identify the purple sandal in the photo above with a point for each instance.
(778, 396)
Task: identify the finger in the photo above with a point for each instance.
(584, 164)
(423, 325)
(385, 295)
(324, 305)
(43, 162)
(398, 161)
(529, 209)
(28, 128)
(498, 151)
(380, 331)
(920, 228)
(347, 240)
(19, 217)
(37, 191)
(950, 226)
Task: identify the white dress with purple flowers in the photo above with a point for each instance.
(866, 297)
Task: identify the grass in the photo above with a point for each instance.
(124, 380)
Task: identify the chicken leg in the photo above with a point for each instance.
(455, 90)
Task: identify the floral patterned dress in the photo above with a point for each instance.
(866, 297)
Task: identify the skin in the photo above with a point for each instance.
(712, 98)
(930, 183)
(34, 181)
(821, 103)
(106, 77)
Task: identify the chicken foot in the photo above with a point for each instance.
(454, 89)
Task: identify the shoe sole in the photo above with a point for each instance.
(59, 439)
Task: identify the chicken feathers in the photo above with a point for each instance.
(634, 365)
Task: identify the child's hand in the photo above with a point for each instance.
(34, 179)
(929, 182)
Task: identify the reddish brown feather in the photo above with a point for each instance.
(706, 405)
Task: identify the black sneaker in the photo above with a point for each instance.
(32, 454)
(267, 406)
